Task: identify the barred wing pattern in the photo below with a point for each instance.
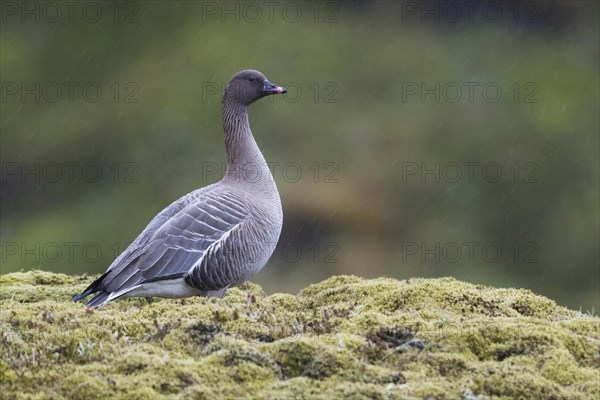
(204, 237)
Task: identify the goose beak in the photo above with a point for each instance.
(271, 88)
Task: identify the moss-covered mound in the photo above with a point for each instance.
(345, 337)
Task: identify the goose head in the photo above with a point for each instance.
(247, 86)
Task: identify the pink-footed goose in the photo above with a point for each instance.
(215, 237)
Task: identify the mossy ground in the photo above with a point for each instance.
(345, 337)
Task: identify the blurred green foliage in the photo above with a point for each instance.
(355, 124)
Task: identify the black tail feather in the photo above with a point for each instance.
(98, 300)
(94, 287)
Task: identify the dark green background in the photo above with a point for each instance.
(155, 134)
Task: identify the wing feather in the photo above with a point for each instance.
(195, 230)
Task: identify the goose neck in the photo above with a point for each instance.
(245, 162)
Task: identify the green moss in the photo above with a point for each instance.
(344, 337)
(83, 386)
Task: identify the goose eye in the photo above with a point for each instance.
(251, 79)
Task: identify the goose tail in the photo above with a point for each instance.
(94, 287)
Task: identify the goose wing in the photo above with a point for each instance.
(174, 243)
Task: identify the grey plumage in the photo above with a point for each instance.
(215, 237)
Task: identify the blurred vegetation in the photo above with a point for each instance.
(353, 122)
